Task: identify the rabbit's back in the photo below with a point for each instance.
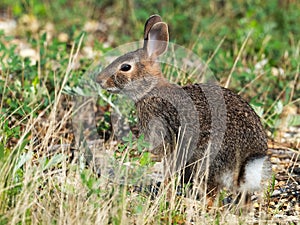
(208, 107)
(226, 111)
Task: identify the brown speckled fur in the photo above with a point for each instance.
(206, 113)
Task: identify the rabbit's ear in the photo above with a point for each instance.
(149, 23)
(158, 38)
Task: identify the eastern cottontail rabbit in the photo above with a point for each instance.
(204, 128)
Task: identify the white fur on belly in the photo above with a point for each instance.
(227, 180)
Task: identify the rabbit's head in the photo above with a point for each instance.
(137, 72)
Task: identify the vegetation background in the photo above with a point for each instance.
(252, 47)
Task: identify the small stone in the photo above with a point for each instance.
(63, 37)
(276, 193)
(272, 203)
(274, 160)
(256, 205)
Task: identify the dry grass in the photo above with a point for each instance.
(44, 177)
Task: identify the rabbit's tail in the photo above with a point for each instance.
(258, 173)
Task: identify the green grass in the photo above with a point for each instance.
(252, 47)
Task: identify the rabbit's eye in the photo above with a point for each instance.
(125, 67)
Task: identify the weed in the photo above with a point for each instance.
(252, 47)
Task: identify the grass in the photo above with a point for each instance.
(252, 47)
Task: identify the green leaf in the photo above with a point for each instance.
(145, 159)
(129, 140)
(259, 110)
(294, 120)
(1, 150)
(278, 107)
(55, 160)
(25, 157)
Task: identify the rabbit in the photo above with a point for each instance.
(204, 130)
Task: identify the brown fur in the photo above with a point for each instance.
(197, 116)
